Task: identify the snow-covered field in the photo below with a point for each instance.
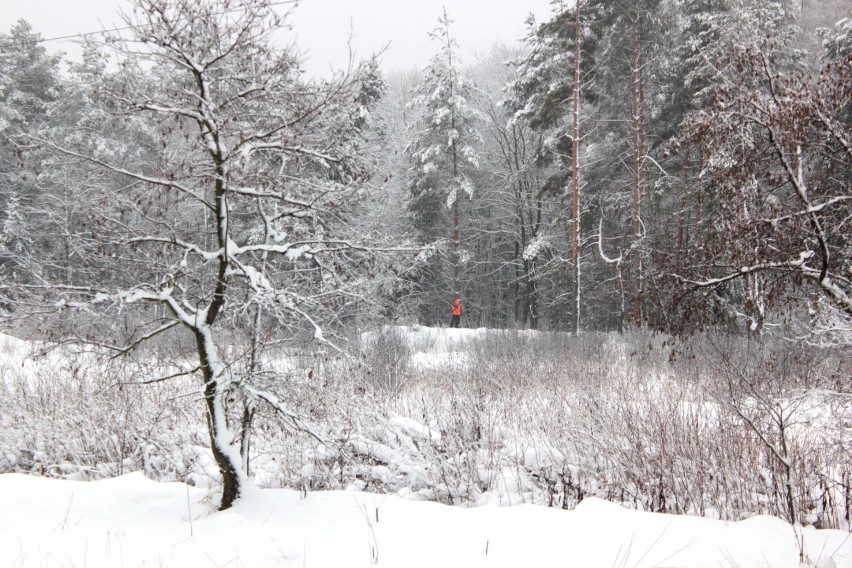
(134, 522)
(442, 415)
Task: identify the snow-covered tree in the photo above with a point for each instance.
(510, 217)
(386, 211)
(547, 94)
(777, 168)
(443, 151)
(29, 81)
(13, 234)
(239, 207)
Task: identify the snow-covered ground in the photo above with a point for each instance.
(134, 522)
(400, 450)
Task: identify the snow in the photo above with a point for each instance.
(132, 521)
(13, 348)
(434, 348)
(535, 248)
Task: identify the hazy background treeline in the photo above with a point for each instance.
(695, 120)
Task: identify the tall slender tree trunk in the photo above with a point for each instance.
(531, 267)
(245, 434)
(681, 213)
(453, 149)
(520, 272)
(697, 208)
(638, 144)
(456, 289)
(575, 178)
(249, 405)
(521, 263)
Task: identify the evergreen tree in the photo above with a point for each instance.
(549, 92)
(443, 154)
(29, 81)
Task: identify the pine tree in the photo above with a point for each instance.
(443, 151)
(548, 95)
(29, 82)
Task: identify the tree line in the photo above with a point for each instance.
(683, 163)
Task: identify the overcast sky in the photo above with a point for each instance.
(322, 27)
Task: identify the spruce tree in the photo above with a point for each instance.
(443, 151)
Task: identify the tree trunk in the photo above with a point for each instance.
(532, 298)
(453, 150)
(254, 366)
(245, 434)
(520, 304)
(575, 178)
(787, 463)
(639, 313)
(226, 457)
(455, 261)
(681, 213)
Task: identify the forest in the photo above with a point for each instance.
(218, 259)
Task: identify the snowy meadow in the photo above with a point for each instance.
(208, 253)
(439, 448)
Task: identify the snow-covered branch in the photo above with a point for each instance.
(798, 263)
(295, 421)
(158, 181)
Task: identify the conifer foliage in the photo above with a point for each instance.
(443, 151)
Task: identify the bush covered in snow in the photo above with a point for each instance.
(712, 427)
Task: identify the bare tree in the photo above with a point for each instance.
(239, 207)
(777, 169)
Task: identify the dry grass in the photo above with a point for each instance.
(540, 418)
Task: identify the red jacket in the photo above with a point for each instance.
(457, 308)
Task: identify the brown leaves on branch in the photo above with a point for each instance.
(776, 180)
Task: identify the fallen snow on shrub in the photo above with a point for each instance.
(473, 418)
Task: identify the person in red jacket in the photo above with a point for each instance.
(457, 312)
